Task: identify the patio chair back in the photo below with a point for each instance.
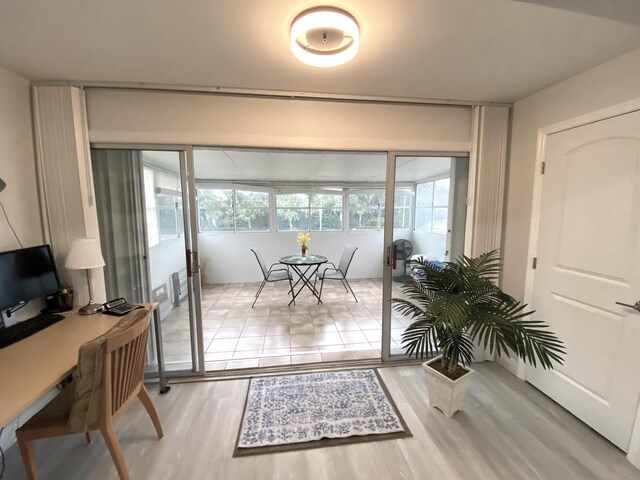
(263, 266)
(347, 256)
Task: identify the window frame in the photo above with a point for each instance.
(310, 209)
(234, 207)
(381, 208)
(431, 205)
(152, 210)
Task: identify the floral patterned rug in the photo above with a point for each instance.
(315, 410)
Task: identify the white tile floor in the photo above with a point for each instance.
(238, 336)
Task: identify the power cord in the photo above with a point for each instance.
(11, 227)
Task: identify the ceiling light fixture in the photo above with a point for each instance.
(324, 37)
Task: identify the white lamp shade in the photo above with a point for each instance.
(84, 253)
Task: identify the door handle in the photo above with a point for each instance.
(635, 306)
(394, 255)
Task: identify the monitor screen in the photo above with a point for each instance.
(26, 274)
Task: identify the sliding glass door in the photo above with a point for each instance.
(426, 219)
(143, 215)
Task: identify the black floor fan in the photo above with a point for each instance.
(404, 249)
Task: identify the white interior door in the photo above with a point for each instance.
(588, 257)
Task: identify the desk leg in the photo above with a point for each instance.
(164, 388)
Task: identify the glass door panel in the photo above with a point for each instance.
(144, 233)
(429, 214)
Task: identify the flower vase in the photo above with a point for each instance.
(303, 251)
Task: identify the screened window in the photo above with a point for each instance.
(252, 211)
(163, 202)
(229, 210)
(309, 211)
(215, 208)
(169, 215)
(326, 211)
(402, 209)
(366, 211)
(432, 206)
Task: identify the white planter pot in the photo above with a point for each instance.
(445, 394)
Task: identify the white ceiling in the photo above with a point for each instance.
(300, 166)
(476, 50)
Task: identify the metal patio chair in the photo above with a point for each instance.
(339, 272)
(271, 274)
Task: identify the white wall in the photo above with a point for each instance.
(230, 260)
(431, 245)
(613, 82)
(17, 164)
(18, 170)
(124, 116)
(20, 197)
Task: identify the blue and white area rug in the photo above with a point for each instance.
(315, 410)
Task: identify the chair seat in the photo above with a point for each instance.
(331, 274)
(278, 275)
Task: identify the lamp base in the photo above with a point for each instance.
(91, 308)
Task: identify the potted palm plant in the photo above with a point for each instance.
(456, 305)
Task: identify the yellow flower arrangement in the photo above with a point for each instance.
(303, 238)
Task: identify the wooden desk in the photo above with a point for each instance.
(33, 366)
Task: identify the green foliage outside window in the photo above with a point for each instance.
(366, 211)
(228, 210)
(303, 211)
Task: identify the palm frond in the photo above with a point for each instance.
(420, 339)
(457, 303)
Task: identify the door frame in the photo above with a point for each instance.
(187, 182)
(518, 368)
(388, 230)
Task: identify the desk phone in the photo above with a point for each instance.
(119, 307)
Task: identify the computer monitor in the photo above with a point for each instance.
(27, 274)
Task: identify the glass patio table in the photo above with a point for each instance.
(305, 267)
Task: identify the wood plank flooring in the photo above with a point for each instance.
(508, 430)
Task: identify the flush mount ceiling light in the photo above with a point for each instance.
(324, 37)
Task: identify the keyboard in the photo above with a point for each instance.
(26, 328)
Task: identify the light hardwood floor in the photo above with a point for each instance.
(508, 430)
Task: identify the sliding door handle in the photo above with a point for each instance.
(635, 306)
(394, 255)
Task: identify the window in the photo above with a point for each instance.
(366, 211)
(326, 211)
(292, 211)
(252, 211)
(309, 211)
(169, 209)
(402, 209)
(163, 203)
(153, 232)
(228, 210)
(432, 206)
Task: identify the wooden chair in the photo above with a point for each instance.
(119, 362)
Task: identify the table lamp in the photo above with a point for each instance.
(85, 254)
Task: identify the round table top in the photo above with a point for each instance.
(299, 260)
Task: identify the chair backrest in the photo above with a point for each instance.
(87, 409)
(123, 369)
(347, 256)
(263, 266)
